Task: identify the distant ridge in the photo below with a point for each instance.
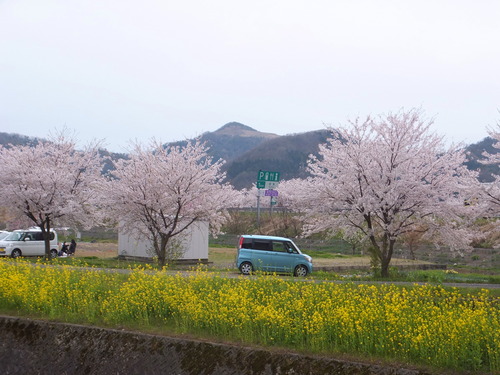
(247, 150)
(18, 139)
(231, 140)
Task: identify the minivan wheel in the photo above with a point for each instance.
(246, 268)
(300, 270)
(53, 253)
(16, 253)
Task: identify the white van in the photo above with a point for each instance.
(3, 234)
(27, 242)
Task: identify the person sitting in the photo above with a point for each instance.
(72, 247)
(64, 250)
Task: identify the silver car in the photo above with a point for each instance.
(27, 242)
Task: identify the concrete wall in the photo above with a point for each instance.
(40, 347)
(195, 244)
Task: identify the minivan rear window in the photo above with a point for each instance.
(245, 243)
(39, 236)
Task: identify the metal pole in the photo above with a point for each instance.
(258, 209)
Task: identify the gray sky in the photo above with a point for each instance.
(122, 70)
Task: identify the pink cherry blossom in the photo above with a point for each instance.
(158, 193)
(385, 177)
(51, 184)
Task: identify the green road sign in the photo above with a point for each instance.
(268, 176)
(267, 180)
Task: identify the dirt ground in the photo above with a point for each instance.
(100, 250)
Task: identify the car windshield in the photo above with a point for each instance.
(14, 236)
(3, 235)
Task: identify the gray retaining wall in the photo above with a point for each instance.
(39, 347)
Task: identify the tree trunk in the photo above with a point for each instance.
(386, 257)
(162, 253)
(384, 268)
(45, 227)
(160, 243)
(412, 251)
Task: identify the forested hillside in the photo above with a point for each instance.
(17, 139)
(287, 154)
(475, 154)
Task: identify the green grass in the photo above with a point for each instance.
(329, 255)
(417, 276)
(449, 276)
(221, 254)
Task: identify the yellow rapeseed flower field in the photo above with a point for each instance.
(418, 324)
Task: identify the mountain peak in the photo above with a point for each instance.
(235, 126)
(238, 129)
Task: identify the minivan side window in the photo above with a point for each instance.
(279, 246)
(29, 236)
(261, 245)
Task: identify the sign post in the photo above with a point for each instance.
(266, 180)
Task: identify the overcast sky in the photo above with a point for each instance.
(123, 70)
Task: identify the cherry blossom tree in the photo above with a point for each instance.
(294, 193)
(492, 190)
(51, 183)
(158, 193)
(386, 177)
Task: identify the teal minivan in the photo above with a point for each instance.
(271, 254)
